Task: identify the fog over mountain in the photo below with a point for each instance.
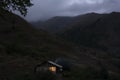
(44, 9)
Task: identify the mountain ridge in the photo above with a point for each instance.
(59, 23)
(104, 28)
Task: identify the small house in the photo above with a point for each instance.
(58, 66)
(48, 66)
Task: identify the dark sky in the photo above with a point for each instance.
(44, 9)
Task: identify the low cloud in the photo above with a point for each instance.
(44, 9)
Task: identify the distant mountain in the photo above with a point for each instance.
(58, 24)
(54, 24)
(101, 33)
(89, 30)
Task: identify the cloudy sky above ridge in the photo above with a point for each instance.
(44, 9)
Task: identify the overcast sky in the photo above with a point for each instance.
(44, 9)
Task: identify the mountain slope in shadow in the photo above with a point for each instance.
(54, 24)
(18, 36)
(103, 33)
(92, 30)
(22, 47)
(58, 24)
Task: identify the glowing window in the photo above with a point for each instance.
(52, 69)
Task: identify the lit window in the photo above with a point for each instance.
(52, 69)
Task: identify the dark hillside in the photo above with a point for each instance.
(22, 47)
(103, 33)
(17, 34)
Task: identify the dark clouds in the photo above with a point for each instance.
(44, 9)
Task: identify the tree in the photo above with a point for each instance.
(16, 5)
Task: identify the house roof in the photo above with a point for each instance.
(53, 63)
